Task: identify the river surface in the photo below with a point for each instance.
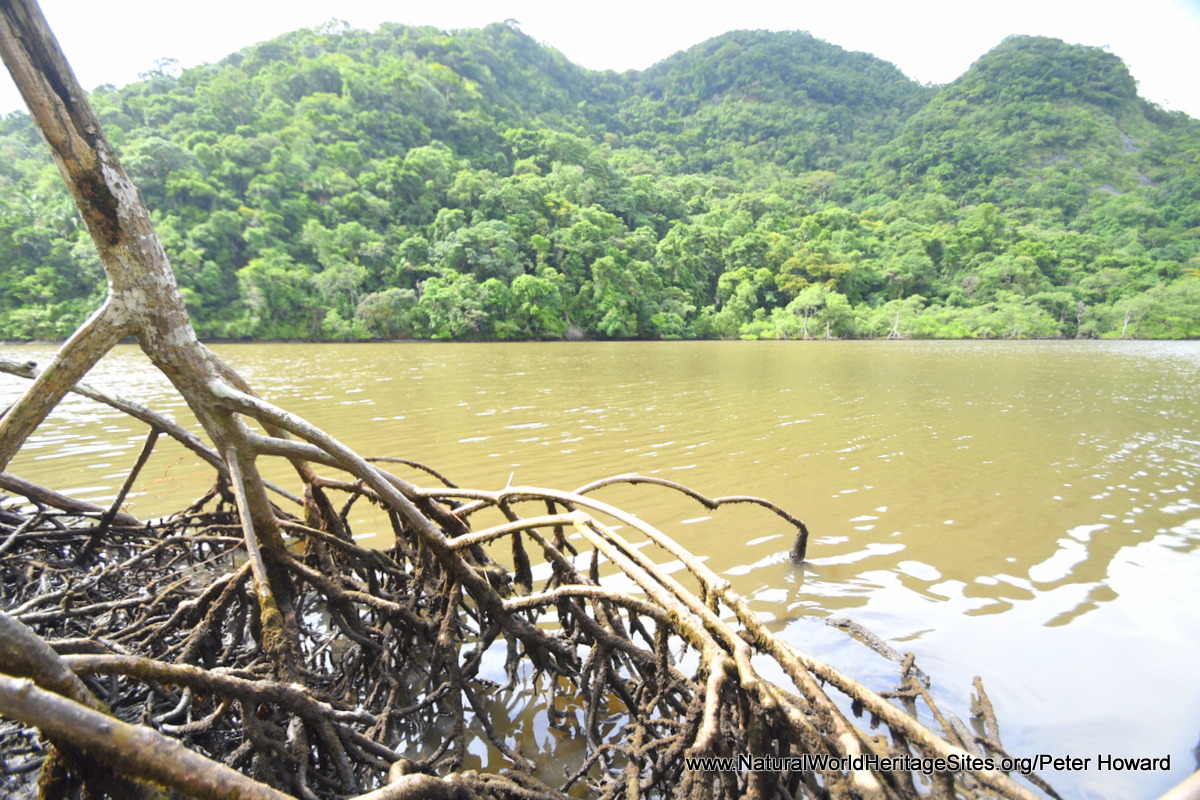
(1023, 511)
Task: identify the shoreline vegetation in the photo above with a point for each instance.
(224, 341)
(339, 185)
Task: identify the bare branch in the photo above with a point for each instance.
(153, 419)
(51, 498)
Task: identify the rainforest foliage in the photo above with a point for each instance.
(412, 183)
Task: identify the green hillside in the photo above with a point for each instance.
(412, 183)
(747, 99)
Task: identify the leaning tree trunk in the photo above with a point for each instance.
(143, 299)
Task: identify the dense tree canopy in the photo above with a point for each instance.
(341, 184)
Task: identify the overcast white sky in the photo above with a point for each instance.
(933, 41)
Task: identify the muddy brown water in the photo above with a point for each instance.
(1023, 511)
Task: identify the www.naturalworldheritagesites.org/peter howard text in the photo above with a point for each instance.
(909, 763)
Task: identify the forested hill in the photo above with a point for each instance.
(412, 183)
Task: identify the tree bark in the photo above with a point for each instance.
(23, 654)
(140, 751)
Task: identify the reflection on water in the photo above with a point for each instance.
(1027, 511)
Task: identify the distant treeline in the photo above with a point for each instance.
(337, 184)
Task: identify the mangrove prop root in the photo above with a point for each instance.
(423, 670)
